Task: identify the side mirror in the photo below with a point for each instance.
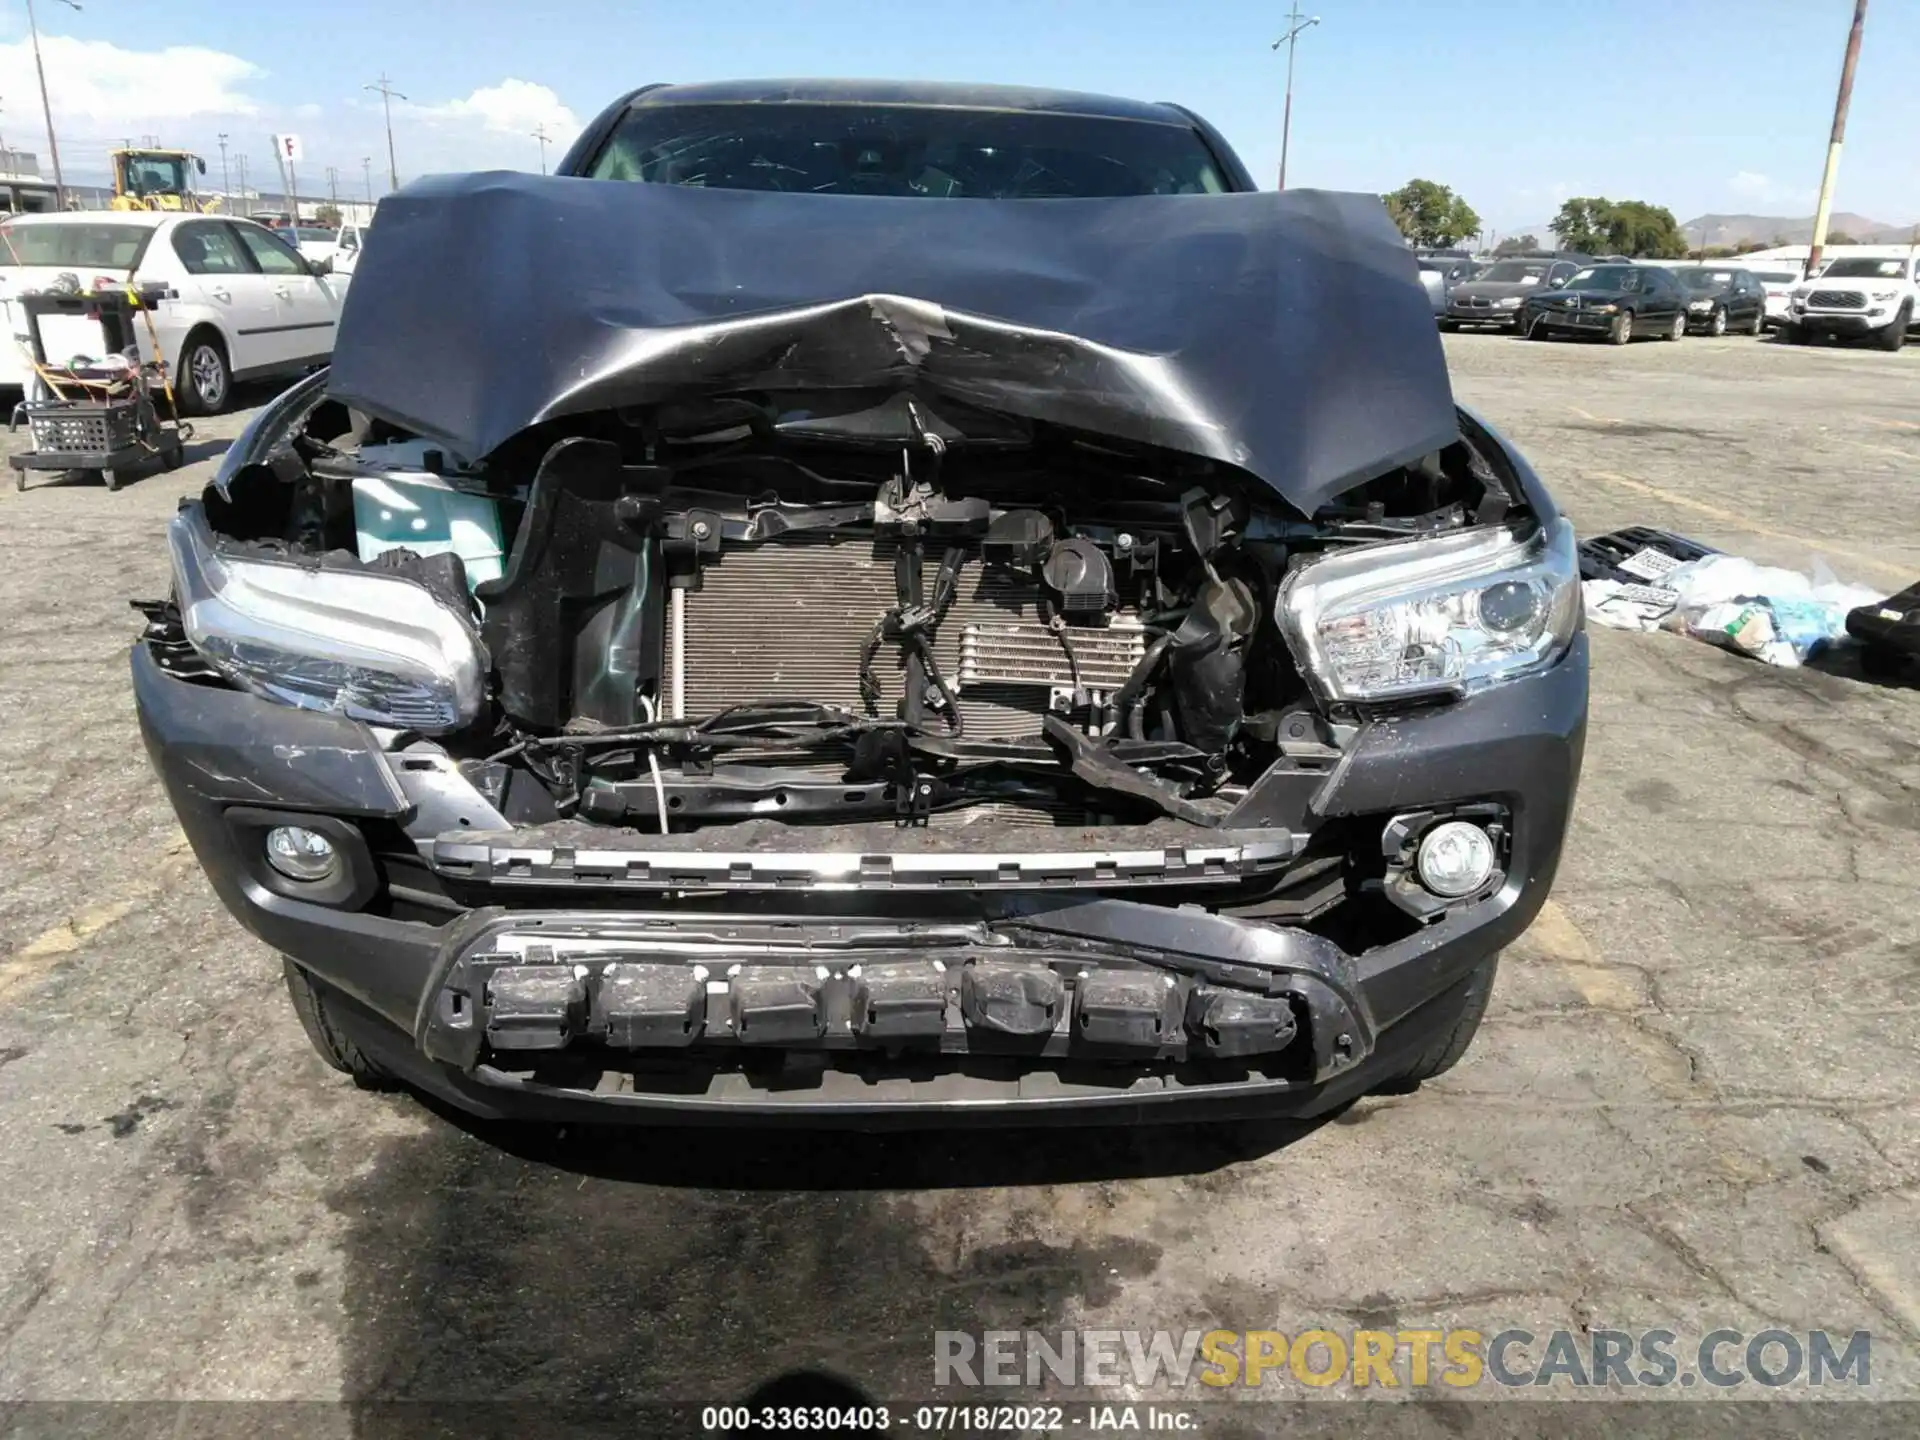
(321, 267)
(201, 163)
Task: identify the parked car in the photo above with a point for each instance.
(1495, 296)
(1876, 296)
(1778, 285)
(1618, 302)
(1440, 271)
(910, 693)
(316, 242)
(1722, 298)
(246, 305)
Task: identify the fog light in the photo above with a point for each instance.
(302, 854)
(1455, 859)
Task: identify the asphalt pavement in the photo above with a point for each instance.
(1692, 1105)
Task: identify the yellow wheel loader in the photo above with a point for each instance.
(159, 180)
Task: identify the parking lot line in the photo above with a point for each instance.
(1747, 525)
(1878, 449)
(1888, 424)
(48, 948)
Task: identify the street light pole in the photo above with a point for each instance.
(540, 134)
(1298, 24)
(224, 188)
(46, 106)
(387, 96)
(366, 169)
(1825, 208)
(246, 202)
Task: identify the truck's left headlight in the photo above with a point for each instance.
(1446, 614)
(375, 647)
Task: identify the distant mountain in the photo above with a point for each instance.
(1786, 230)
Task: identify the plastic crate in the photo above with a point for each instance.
(81, 427)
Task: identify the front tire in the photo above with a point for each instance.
(1895, 335)
(1716, 324)
(1455, 1021)
(1793, 334)
(1678, 330)
(310, 1004)
(206, 378)
(1759, 326)
(1621, 332)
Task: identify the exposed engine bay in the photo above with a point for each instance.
(733, 610)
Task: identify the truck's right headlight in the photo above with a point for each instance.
(375, 647)
(1446, 614)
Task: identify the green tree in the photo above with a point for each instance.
(1430, 215)
(1517, 245)
(328, 215)
(1637, 228)
(1581, 224)
(1840, 237)
(1596, 225)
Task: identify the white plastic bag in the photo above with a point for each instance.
(1780, 617)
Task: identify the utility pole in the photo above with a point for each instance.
(246, 202)
(387, 96)
(540, 134)
(223, 166)
(366, 169)
(1827, 176)
(1298, 24)
(333, 187)
(46, 106)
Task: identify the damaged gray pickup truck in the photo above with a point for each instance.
(864, 605)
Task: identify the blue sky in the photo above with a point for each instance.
(1700, 105)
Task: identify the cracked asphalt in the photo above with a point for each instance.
(1692, 1106)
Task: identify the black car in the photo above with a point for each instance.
(1496, 295)
(1617, 302)
(984, 662)
(1721, 298)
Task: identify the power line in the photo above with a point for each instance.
(387, 95)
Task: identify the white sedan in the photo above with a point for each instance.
(247, 304)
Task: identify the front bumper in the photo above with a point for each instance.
(1476, 316)
(1587, 322)
(1839, 322)
(408, 969)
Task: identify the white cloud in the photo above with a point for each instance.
(513, 107)
(99, 86)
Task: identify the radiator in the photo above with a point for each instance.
(786, 621)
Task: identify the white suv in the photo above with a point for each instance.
(246, 305)
(1856, 295)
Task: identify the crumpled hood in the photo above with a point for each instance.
(1282, 333)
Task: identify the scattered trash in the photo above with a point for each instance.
(1627, 606)
(1645, 579)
